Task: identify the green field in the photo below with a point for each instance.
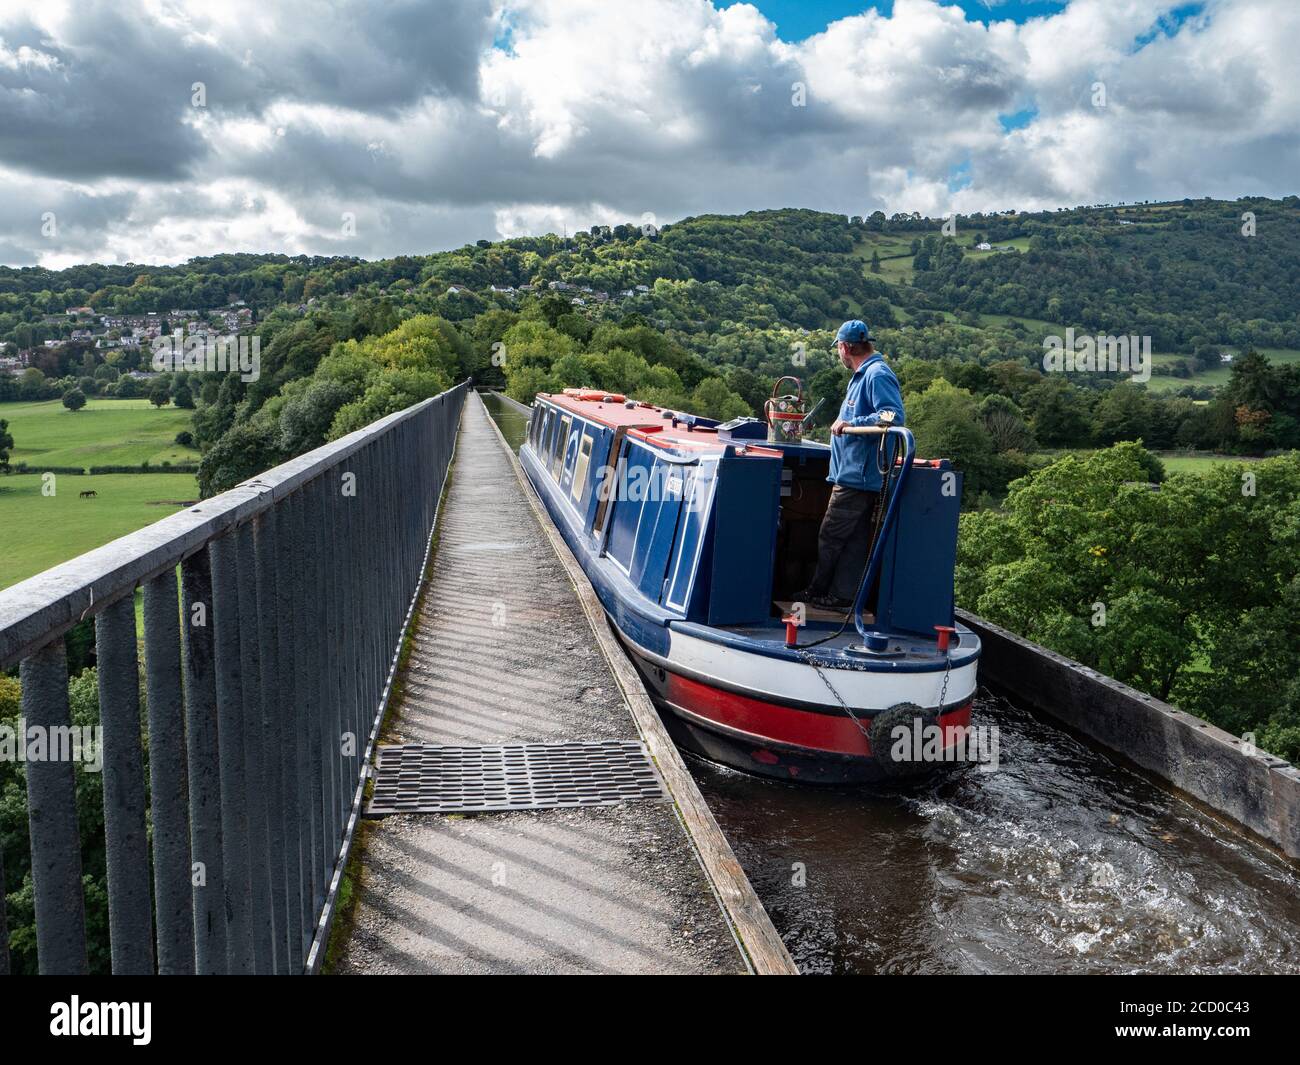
(1216, 376)
(1019, 243)
(106, 432)
(1174, 461)
(1032, 326)
(895, 256)
(38, 531)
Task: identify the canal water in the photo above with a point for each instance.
(1059, 861)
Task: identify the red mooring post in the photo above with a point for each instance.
(792, 624)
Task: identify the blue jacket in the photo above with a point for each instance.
(872, 388)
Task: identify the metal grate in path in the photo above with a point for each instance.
(432, 778)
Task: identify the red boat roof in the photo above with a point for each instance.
(646, 422)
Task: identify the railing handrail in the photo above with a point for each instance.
(53, 601)
(891, 505)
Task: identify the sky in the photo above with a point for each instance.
(153, 131)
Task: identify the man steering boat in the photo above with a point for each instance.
(872, 398)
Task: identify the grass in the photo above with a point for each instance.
(1176, 462)
(895, 257)
(1019, 243)
(106, 432)
(1032, 325)
(39, 531)
(1215, 376)
(1195, 462)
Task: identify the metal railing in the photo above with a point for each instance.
(908, 443)
(265, 684)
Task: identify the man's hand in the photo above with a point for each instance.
(838, 428)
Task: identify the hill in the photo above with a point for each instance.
(708, 311)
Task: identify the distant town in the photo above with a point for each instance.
(131, 332)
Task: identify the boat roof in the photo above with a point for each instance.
(654, 425)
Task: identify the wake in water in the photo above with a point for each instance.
(1060, 861)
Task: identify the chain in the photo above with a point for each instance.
(943, 692)
(838, 698)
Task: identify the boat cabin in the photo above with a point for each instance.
(682, 518)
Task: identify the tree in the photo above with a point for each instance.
(6, 444)
(160, 394)
(875, 262)
(1198, 581)
(244, 451)
(74, 399)
(713, 399)
(946, 423)
(1006, 424)
(128, 387)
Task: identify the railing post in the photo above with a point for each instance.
(171, 829)
(345, 565)
(254, 794)
(207, 875)
(301, 745)
(264, 549)
(52, 817)
(286, 576)
(230, 746)
(318, 690)
(130, 910)
(332, 702)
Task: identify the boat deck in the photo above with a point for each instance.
(772, 633)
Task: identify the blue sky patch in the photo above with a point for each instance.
(1168, 24)
(1018, 119)
(797, 19)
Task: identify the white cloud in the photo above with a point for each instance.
(590, 111)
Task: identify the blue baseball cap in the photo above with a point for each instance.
(854, 332)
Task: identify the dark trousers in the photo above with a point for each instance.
(843, 541)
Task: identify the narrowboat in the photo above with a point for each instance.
(697, 536)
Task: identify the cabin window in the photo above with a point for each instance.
(533, 423)
(580, 470)
(626, 522)
(561, 438)
(607, 484)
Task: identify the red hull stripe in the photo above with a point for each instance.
(784, 724)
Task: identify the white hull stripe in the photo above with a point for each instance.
(780, 680)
